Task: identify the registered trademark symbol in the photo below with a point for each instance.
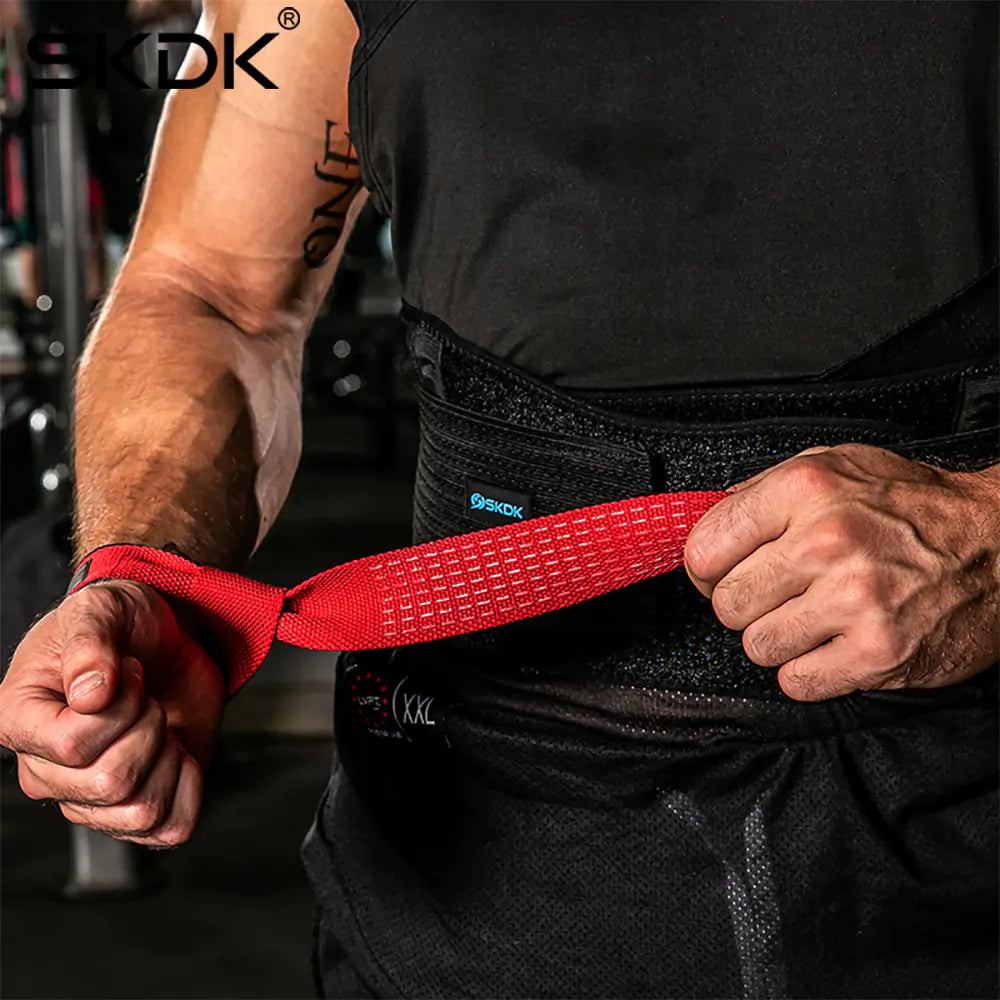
(288, 18)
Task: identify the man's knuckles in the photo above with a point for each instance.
(857, 593)
(140, 812)
(179, 824)
(804, 480)
(880, 647)
(145, 814)
(80, 739)
(774, 639)
(97, 611)
(135, 825)
(771, 645)
(731, 600)
(114, 786)
(707, 550)
(71, 746)
(807, 684)
(102, 787)
(30, 783)
(115, 775)
(811, 476)
(829, 540)
(173, 834)
(758, 644)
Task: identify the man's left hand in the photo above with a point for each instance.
(851, 568)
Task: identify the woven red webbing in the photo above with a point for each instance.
(456, 585)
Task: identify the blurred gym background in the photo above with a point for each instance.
(230, 914)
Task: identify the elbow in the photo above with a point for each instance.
(160, 280)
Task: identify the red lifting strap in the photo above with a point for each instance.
(431, 591)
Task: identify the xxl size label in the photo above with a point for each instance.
(393, 707)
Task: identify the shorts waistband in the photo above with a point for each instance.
(391, 698)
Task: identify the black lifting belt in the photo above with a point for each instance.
(498, 445)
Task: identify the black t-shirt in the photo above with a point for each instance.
(619, 194)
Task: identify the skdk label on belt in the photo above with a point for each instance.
(495, 505)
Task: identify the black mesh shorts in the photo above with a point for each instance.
(680, 845)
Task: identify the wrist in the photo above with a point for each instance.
(230, 618)
(190, 623)
(982, 488)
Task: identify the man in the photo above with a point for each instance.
(691, 246)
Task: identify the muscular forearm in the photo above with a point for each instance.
(187, 420)
(187, 414)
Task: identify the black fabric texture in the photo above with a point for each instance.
(652, 247)
(706, 847)
(334, 975)
(633, 195)
(612, 801)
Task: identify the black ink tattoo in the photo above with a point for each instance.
(331, 215)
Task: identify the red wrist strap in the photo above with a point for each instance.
(431, 591)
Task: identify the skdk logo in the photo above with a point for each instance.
(87, 55)
(478, 502)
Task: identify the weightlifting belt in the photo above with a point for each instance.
(490, 429)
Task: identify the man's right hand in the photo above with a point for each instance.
(188, 415)
(113, 710)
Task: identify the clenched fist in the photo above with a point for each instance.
(113, 710)
(851, 568)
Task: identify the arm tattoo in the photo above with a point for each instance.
(329, 218)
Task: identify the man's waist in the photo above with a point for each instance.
(500, 447)
(482, 417)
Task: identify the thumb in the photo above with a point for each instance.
(93, 621)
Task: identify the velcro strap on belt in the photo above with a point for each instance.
(430, 591)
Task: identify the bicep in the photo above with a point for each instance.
(251, 191)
